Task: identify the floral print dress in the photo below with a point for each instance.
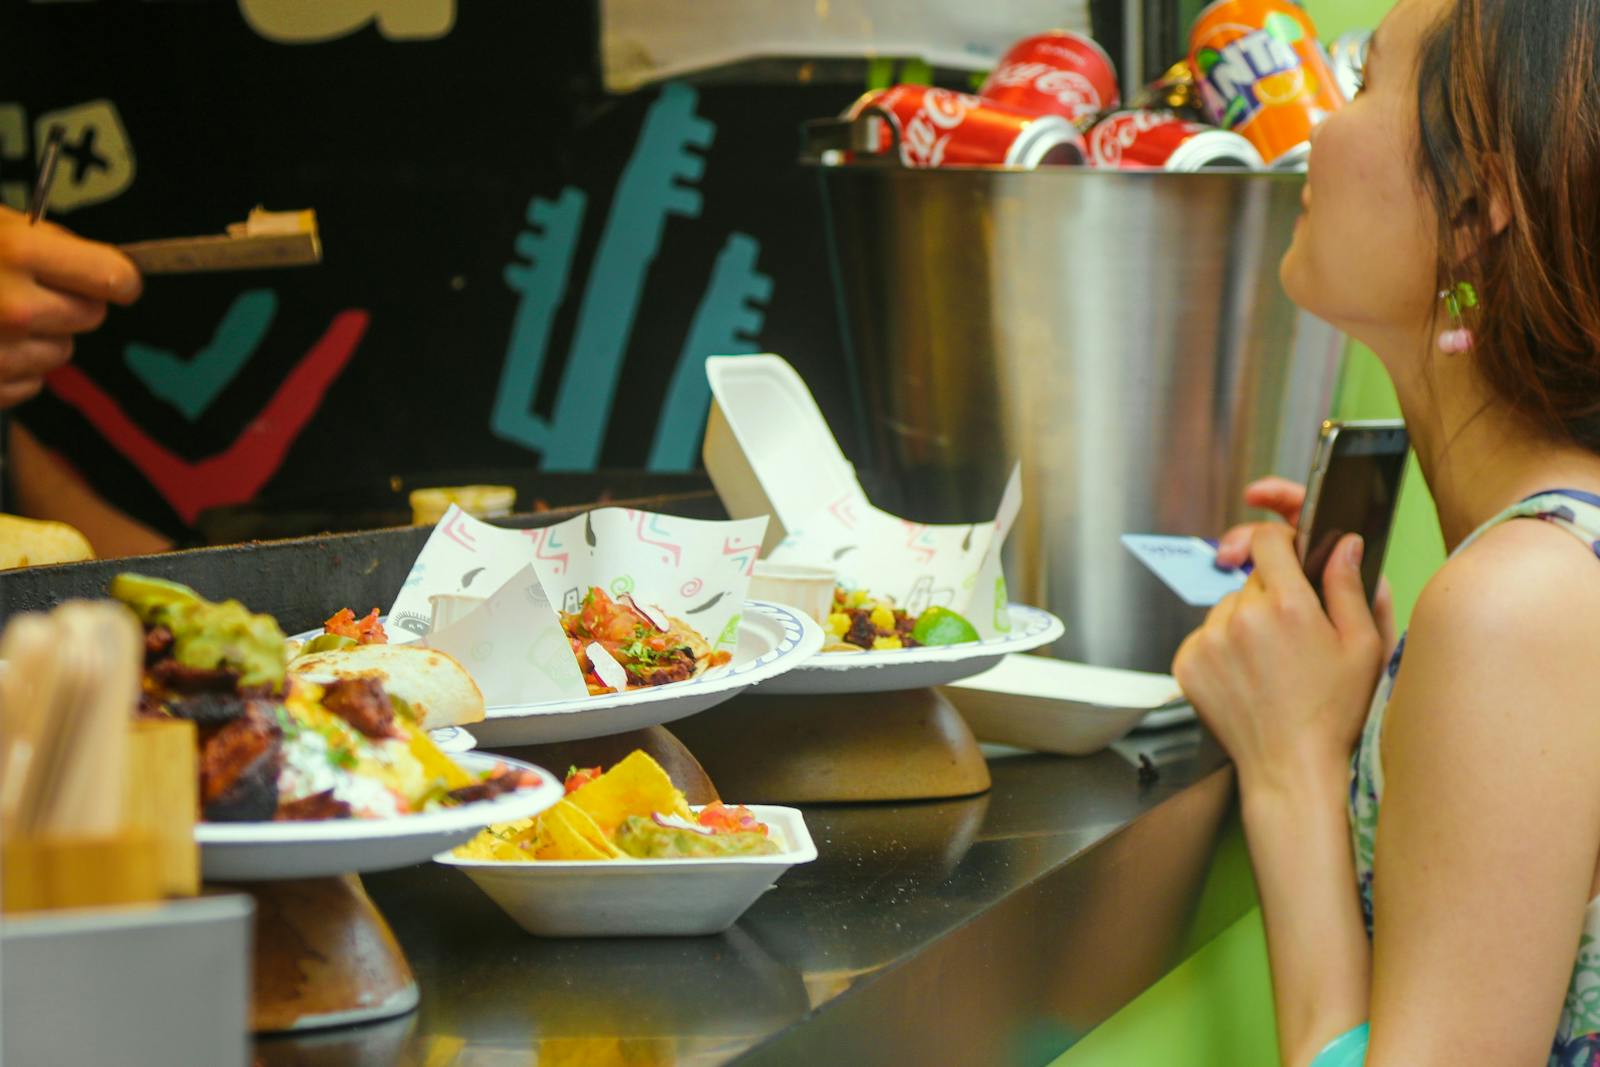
(1577, 1040)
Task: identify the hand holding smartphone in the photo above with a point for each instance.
(1353, 488)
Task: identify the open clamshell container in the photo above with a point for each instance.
(639, 898)
(768, 448)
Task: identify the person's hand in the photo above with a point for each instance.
(1286, 499)
(53, 285)
(1284, 685)
(1278, 495)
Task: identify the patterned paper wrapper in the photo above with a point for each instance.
(918, 565)
(691, 569)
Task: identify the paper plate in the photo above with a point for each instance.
(914, 668)
(773, 640)
(640, 898)
(266, 851)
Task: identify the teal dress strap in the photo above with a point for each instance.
(1349, 1049)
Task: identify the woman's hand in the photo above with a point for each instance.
(1286, 499)
(52, 285)
(1282, 684)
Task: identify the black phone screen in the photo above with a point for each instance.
(1359, 491)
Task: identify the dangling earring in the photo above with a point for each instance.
(1457, 300)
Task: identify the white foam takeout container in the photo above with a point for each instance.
(1051, 705)
(768, 448)
(639, 898)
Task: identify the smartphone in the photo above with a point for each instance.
(1353, 488)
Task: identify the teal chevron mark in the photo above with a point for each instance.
(727, 323)
(192, 385)
(546, 249)
(656, 183)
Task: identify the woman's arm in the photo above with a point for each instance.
(1490, 827)
(1299, 837)
(46, 488)
(1285, 687)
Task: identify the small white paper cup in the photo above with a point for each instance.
(800, 585)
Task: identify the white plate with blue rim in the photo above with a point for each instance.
(265, 851)
(774, 639)
(894, 669)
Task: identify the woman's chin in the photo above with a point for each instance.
(1291, 274)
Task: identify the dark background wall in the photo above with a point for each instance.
(520, 270)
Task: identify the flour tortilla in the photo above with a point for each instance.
(439, 690)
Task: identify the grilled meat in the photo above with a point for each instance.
(316, 807)
(362, 703)
(239, 766)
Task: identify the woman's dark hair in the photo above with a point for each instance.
(1509, 108)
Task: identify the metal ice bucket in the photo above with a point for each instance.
(1123, 334)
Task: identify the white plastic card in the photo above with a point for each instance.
(1187, 566)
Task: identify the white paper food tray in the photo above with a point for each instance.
(640, 898)
(142, 986)
(1051, 705)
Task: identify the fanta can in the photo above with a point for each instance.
(1261, 74)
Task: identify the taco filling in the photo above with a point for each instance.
(651, 648)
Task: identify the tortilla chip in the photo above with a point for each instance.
(567, 833)
(636, 786)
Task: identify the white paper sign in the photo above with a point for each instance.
(691, 569)
(463, 556)
(918, 565)
(513, 645)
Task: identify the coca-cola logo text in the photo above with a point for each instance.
(927, 133)
(1072, 90)
(1120, 132)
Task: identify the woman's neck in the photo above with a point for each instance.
(1477, 456)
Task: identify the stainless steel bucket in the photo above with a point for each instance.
(1123, 334)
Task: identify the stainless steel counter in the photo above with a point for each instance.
(992, 930)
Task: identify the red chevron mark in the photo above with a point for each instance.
(237, 473)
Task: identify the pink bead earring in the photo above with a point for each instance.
(1458, 338)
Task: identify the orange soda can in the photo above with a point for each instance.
(1262, 74)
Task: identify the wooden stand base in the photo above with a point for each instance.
(911, 745)
(324, 956)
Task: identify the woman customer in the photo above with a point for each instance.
(1425, 825)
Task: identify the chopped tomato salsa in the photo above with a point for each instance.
(365, 631)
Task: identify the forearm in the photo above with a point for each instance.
(1299, 840)
(46, 489)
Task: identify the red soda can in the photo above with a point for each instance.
(1055, 73)
(1161, 140)
(938, 128)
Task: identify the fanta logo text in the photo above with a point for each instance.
(1240, 66)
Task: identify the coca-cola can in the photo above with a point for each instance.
(1161, 140)
(1055, 73)
(940, 128)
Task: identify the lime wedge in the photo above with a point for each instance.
(941, 626)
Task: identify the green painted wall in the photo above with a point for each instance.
(1215, 1010)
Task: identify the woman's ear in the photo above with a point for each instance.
(1484, 215)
